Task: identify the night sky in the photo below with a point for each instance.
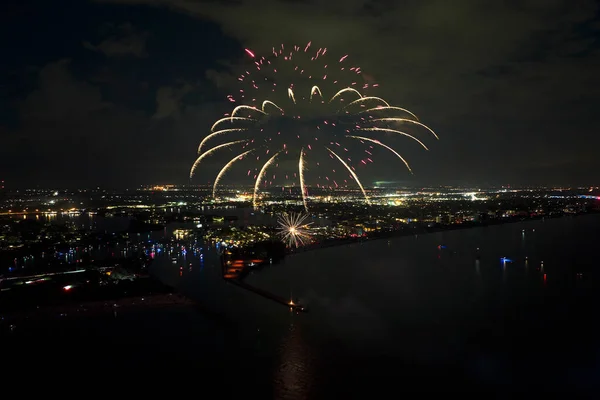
(120, 93)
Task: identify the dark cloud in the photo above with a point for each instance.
(511, 87)
(68, 131)
(60, 96)
(503, 82)
(71, 136)
(124, 41)
(130, 112)
(169, 100)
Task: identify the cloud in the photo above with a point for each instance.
(124, 41)
(60, 96)
(82, 128)
(69, 135)
(488, 76)
(169, 100)
(435, 35)
(67, 130)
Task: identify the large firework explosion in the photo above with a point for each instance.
(285, 122)
(293, 229)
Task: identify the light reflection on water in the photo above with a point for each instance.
(409, 299)
(295, 371)
(83, 220)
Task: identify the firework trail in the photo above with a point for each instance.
(293, 229)
(297, 131)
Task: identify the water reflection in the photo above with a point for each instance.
(294, 374)
(79, 220)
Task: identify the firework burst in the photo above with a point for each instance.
(293, 229)
(286, 127)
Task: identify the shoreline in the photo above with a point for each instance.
(424, 231)
(246, 270)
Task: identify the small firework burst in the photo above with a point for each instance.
(294, 229)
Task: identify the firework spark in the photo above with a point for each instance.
(293, 229)
(226, 167)
(283, 114)
(259, 179)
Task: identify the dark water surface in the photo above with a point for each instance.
(436, 312)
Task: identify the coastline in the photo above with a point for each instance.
(424, 230)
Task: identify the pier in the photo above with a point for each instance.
(268, 295)
(234, 272)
